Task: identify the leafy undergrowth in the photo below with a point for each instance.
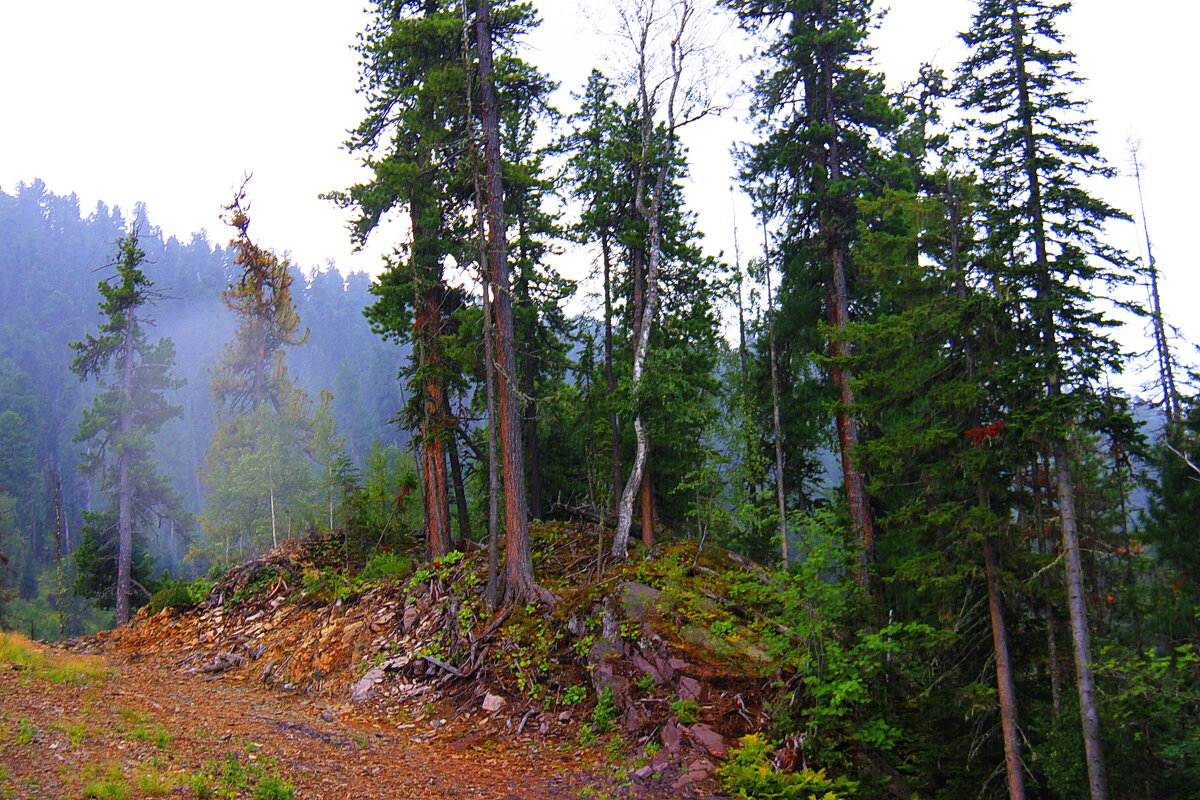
(656, 666)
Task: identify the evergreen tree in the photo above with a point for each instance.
(129, 408)
(260, 480)
(819, 106)
(1044, 229)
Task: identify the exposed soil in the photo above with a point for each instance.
(149, 719)
(400, 689)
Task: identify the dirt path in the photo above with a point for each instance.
(148, 730)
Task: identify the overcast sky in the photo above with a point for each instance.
(172, 103)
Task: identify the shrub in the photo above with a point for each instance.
(179, 595)
(750, 775)
(385, 564)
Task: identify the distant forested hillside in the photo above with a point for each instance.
(52, 254)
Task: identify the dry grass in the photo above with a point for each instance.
(54, 667)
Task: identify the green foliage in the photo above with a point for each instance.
(25, 733)
(604, 713)
(750, 775)
(686, 711)
(574, 695)
(386, 508)
(386, 564)
(180, 595)
(273, 788)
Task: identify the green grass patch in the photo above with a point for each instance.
(107, 785)
(151, 734)
(62, 669)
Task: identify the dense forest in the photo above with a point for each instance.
(907, 405)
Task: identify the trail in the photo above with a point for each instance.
(159, 727)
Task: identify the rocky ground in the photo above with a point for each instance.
(396, 689)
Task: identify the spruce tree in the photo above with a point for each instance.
(1044, 229)
(131, 405)
(819, 106)
(260, 479)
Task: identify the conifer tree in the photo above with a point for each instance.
(131, 405)
(256, 467)
(1034, 152)
(818, 106)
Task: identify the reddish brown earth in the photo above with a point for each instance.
(161, 727)
(82, 731)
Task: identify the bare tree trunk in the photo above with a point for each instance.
(650, 211)
(610, 381)
(1080, 636)
(519, 580)
(59, 550)
(1005, 685)
(124, 479)
(492, 591)
(776, 422)
(1162, 346)
(456, 475)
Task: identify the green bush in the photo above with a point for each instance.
(750, 775)
(179, 595)
(386, 564)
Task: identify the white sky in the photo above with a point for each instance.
(172, 103)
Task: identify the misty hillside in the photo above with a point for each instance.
(53, 253)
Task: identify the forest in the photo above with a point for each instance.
(908, 408)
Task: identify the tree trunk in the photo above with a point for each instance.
(519, 580)
(610, 381)
(527, 323)
(427, 332)
(1162, 346)
(456, 474)
(1080, 636)
(648, 510)
(1005, 685)
(492, 591)
(776, 422)
(124, 479)
(838, 301)
(60, 545)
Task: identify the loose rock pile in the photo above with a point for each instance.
(411, 643)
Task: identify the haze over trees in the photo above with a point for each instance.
(979, 539)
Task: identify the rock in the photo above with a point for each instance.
(644, 773)
(493, 703)
(645, 667)
(689, 688)
(672, 736)
(364, 688)
(633, 719)
(639, 600)
(411, 615)
(604, 677)
(710, 740)
(564, 716)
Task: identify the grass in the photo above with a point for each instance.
(25, 732)
(109, 785)
(151, 734)
(76, 731)
(19, 651)
(154, 784)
